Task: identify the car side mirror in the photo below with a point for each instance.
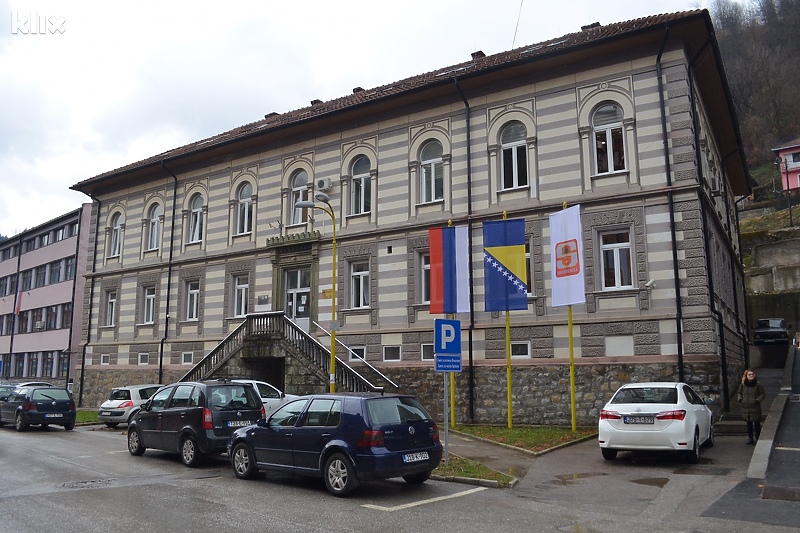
(146, 405)
(261, 422)
(3, 398)
(708, 401)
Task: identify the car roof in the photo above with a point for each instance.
(138, 386)
(651, 384)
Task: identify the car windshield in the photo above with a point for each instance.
(646, 395)
(120, 394)
(387, 411)
(50, 394)
(773, 323)
(233, 397)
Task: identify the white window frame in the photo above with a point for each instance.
(360, 351)
(244, 209)
(193, 300)
(196, 219)
(521, 346)
(426, 352)
(153, 227)
(615, 249)
(360, 188)
(299, 193)
(359, 285)
(605, 132)
(105, 359)
(143, 358)
(388, 355)
(431, 171)
(115, 243)
(149, 305)
(514, 149)
(241, 285)
(111, 308)
(425, 286)
(187, 358)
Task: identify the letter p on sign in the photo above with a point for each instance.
(447, 336)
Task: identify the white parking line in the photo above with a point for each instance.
(787, 448)
(423, 502)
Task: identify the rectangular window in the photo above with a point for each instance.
(41, 275)
(359, 285)
(59, 234)
(55, 272)
(187, 358)
(69, 270)
(426, 352)
(615, 257)
(520, 350)
(153, 231)
(358, 353)
(149, 307)
(73, 229)
(51, 317)
(391, 353)
(144, 358)
(44, 240)
(193, 300)
(38, 319)
(66, 315)
(515, 166)
(111, 307)
(116, 238)
(360, 200)
(196, 225)
(22, 321)
(33, 364)
(47, 363)
(432, 181)
(105, 359)
(4, 286)
(425, 288)
(27, 280)
(241, 292)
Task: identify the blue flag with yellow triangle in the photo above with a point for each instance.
(505, 271)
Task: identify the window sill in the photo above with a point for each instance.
(430, 203)
(602, 175)
(625, 291)
(356, 216)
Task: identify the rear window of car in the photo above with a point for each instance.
(120, 394)
(646, 395)
(388, 411)
(50, 394)
(233, 397)
(145, 394)
(770, 324)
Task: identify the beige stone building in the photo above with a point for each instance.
(632, 121)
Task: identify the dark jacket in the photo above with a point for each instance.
(751, 394)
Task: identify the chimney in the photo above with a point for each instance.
(478, 55)
(591, 26)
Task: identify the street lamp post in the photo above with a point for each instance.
(307, 204)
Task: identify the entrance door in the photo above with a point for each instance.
(298, 296)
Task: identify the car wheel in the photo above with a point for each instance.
(693, 455)
(709, 443)
(608, 454)
(418, 479)
(69, 426)
(243, 461)
(19, 423)
(190, 454)
(340, 476)
(135, 445)
(112, 425)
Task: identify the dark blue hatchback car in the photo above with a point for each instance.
(343, 438)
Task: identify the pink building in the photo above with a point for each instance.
(788, 161)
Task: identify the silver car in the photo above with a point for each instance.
(271, 396)
(124, 402)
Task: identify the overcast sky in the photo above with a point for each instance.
(106, 83)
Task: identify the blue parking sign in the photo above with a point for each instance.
(446, 336)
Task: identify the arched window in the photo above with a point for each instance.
(153, 227)
(609, 144)
(299, 194)
(196, 218)
(244, 209)
(360, 188)
(115, 242)
(514, 162)
(431, 172)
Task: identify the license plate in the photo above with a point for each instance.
(414, 457)
(238, 423)
(105, 413)
(638, 419)
(53, 415)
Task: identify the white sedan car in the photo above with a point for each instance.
(271, 396)
(656, 416)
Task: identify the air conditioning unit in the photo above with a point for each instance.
(324, 184)
(38, 325)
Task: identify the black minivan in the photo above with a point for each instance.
(194, 418)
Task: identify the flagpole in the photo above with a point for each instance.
(571, 364)
(508, 359)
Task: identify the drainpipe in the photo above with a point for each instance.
(17, 294)
(74, 284)
(469, 245)
(169, 272)
(670, 194)
(746, 334)
(91, 298)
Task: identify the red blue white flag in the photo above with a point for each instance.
(505, 271)
(449, 274)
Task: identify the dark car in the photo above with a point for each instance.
(771, 331)
(25, 406)
(343, 438)
(193, 418)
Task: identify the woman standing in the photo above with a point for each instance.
(751, 394)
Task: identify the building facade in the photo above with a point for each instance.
(632, 121)
(41, 298)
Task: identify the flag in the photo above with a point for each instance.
(449, 275)
(18, 307)
(505, 271)
(567, 254)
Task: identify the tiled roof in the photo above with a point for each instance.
(791, 144)
(591, 35)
